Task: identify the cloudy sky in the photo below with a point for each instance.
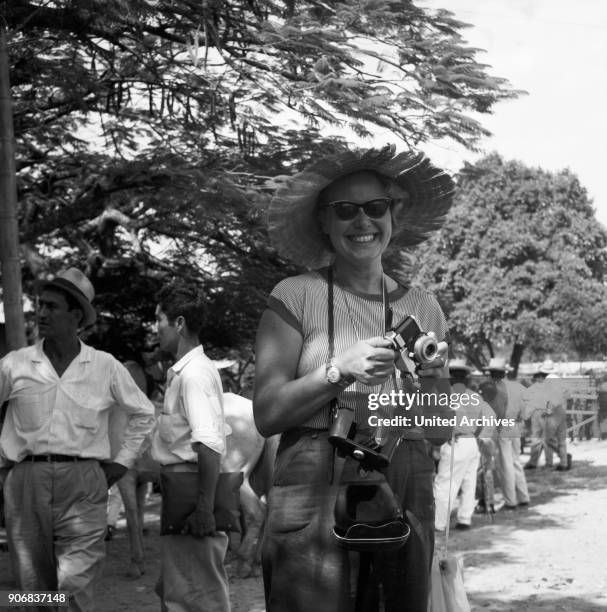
(557, 51)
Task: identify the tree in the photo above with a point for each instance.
(521, 261)
(147, 131)
(9, 241)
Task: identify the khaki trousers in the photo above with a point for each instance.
(55, 523)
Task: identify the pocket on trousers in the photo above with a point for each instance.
(286, 466)
(290, 509)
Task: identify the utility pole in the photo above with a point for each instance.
(10, 264)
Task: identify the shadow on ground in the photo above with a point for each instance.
(487, 601)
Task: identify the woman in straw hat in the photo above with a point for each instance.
(322, 339)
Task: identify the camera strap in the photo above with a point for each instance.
(331, 311)
(388, 313)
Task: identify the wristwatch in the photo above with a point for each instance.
(335, 377)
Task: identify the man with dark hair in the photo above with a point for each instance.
(60, 393)
(190, 438)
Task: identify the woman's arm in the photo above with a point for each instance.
(282, 401)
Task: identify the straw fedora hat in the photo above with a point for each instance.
(426, 193)
(74, 282)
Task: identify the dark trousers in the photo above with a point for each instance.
(302, 566)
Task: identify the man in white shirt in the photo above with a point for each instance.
(190, 438)
(546, 408)
(55, 438)
(474, 421)
(509, 403)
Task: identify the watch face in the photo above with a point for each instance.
(333, 374)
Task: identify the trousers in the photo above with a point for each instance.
(304, 569)
(465, 466)
(510, 472)
(193, 577)
(55, 523)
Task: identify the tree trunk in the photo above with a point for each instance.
(9, 230)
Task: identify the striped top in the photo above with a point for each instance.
(301, 301)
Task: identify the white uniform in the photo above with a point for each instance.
(466, 457)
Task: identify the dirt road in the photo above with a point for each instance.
(551, 557)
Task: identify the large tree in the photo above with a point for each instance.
(521, 262)
(146, 131)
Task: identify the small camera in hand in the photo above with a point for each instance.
(419, 349)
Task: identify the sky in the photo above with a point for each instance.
(556, 50)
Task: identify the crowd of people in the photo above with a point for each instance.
(486, 472)
(351, 517)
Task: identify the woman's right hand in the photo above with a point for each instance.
(370, 361)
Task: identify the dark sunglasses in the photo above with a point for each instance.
(374, 209)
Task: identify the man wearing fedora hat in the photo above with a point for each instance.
(55, 436)
(508, 402)
(546, 407)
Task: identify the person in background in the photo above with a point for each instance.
(60, 393)
(547, 406)
(508, 402)
(460, 476)
(190, 437)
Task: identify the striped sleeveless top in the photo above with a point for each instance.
(301, 301)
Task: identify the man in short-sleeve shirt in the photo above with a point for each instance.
(191, 438)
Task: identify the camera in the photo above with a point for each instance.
(370, 454)
(419, 350)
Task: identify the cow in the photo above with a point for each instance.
(246, 451)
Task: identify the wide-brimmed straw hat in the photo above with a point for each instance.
(74, 282)
(293, 222)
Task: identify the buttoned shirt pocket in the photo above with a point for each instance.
(85, 418)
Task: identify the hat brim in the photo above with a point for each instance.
(460, 368)
(90, 315)
(293, 223)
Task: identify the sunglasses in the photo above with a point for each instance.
(374, 209)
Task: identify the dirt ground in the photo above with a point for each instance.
(550, 557)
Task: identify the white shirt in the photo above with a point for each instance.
(68, 414)
(544, 394)
(192, 410)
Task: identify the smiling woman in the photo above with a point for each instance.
(321, 343)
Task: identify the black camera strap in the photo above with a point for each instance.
(331, 311)
(390, 441)
(388, 314)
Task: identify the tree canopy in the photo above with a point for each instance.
(521, 261)
(147, 130)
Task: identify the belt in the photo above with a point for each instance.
(180, 467)
(55, 458)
